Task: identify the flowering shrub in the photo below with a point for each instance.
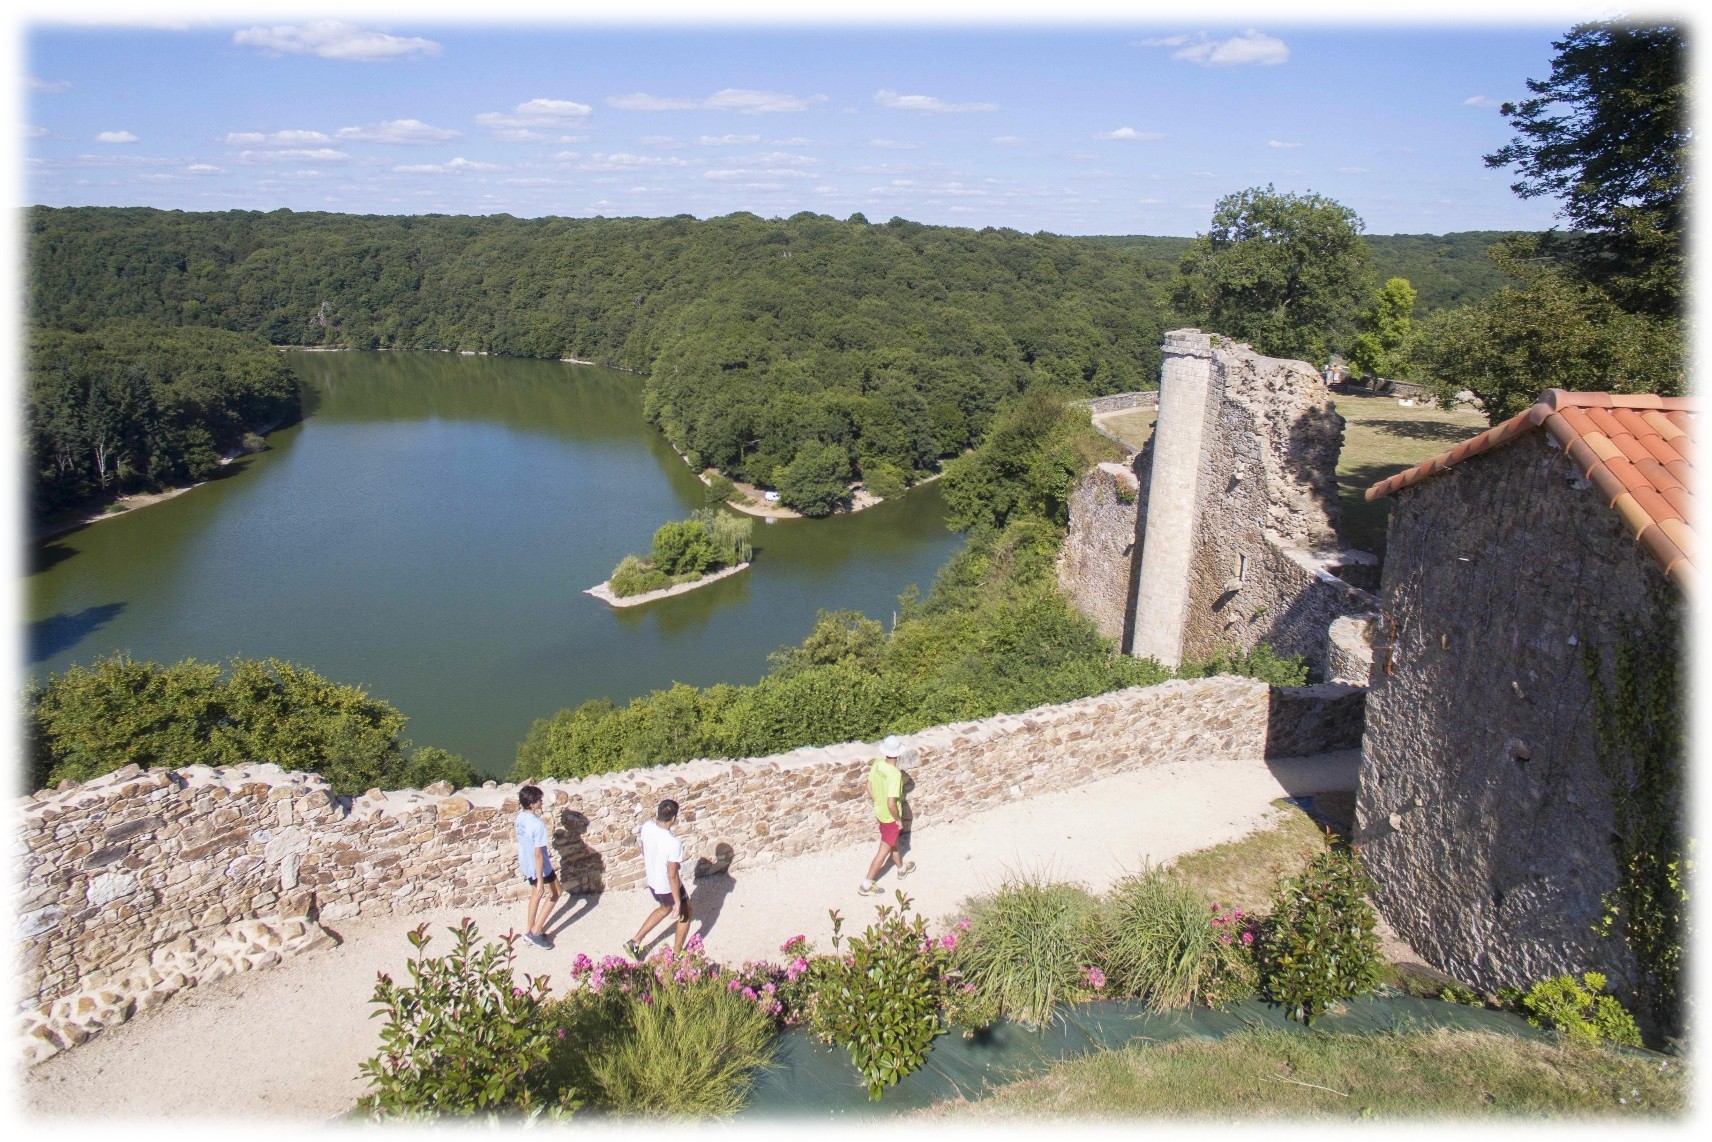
(463, 1037)
(1319, 945)
(1232, 973)
(1578, 1009)
(881, 1001)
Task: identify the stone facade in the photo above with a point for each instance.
(1095, 568)
(1483, 816)
(1238, 545)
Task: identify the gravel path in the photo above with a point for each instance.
(284, 1043)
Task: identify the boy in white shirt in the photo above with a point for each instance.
(662, 854)
(536, 865)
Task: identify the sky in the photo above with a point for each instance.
(1077, 128)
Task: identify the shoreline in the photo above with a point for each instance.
(755, 502)
(125, 505)
(603, 590)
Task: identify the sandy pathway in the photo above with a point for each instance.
(285, 1042)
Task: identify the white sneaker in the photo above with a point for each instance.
(869, 888)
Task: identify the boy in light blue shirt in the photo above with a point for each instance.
(536, 865)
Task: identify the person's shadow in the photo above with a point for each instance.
(582, 872)
(713, 883)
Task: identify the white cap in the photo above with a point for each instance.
(892, 746)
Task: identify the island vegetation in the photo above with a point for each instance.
(684, 551)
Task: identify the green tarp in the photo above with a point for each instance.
(811, 1079)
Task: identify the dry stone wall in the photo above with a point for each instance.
(119, 868)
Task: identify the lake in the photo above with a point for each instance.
(427, 533)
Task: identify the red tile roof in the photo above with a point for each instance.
(1636, 449)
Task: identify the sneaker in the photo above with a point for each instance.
(538, 940)
(909, 867)
(869, 889)
(634, 949)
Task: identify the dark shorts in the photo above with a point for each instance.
(548, 879)
(889, 833)
(664, 899)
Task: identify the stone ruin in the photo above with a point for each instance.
(1221, 533)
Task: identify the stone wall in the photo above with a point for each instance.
(1094, 568)
(115, 869)
(1483, 816)
(1119, 402)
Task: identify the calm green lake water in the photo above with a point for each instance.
(427, 533)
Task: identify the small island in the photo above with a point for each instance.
(686, 554)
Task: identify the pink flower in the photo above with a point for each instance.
(733, 985)
(517, 991)
(748, 993)
(948, 941)
(1248, 937)
(792, 943)
(693, 944)
(1096, 978)
(561, 1032)
(581, 964)
(795, 968)
(963, 925)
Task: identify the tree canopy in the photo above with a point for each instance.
(1286, 273)
(1607, 135)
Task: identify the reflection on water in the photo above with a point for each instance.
(427, 533)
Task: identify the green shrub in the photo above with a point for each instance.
(1262, 662)
(1319, 945)
(1578, 1009)
(881, 1001)
(682, 547)
(720, 488)
(116, 712)
(688, 1051)
(1234, 972)
(884, 480)
(462, 1037)
(635, 576)
(1029, 946)
(1456, 993)
(1156, 942)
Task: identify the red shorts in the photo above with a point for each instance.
(889, 833)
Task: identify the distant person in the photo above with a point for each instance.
(536, 865)
(662, 857)
(886, 784)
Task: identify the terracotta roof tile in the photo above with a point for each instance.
(1636, 449)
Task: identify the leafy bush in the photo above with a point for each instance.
(92, 720)
(636, 576)
(689, 1050)
(462, 1037)
(884, 480)
(1262, 662)
(1234, 973)
(1029, 946)
(1319, 945)
(1579, 1009)
(682, 547)
(1155, 941)
(881, 1001)
(720, 488)
(1456, 993)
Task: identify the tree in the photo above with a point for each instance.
(1608, 135)
(1378, 350)
(816, 481)
(1286, 273)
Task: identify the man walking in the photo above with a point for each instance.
(536, 865)
(886, 785)
(662, 856)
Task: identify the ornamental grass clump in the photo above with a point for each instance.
(1028, 947)
(1156, 941)
(1319, 946)
(689, 1051)
(463, 1037)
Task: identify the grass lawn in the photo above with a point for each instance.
(1409, 1075)
(1380, 439)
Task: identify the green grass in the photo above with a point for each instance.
(1157, 942)
(1245, 873)
(1027, 945)
(1276, 1075)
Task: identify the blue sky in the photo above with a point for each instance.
(1075, 129)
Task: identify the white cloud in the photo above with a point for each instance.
(522, 123)
(115, 137)
(1008, 141)
(398, 132)
(1281, 145)
(753, 102)
(1250, 47)
(1163, 42)
(892, 145)
(728, 140)
(204, 168)
(36, 132)
(296, 155)
(1203, 174)
(1479, 101)
(48, 86)
(752, 173)
(332, 39)
(1352, 170)
(641, 101)
(664, 142)
(927, 103)
(457, 164)
(624, 161)
(275, 139)
(1130, 133)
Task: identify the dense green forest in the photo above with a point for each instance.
(844, 346)
(138, 405)
(1446, 269)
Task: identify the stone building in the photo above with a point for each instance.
(1234, 514)
(1519, 565)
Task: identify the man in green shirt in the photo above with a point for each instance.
(886, 784)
